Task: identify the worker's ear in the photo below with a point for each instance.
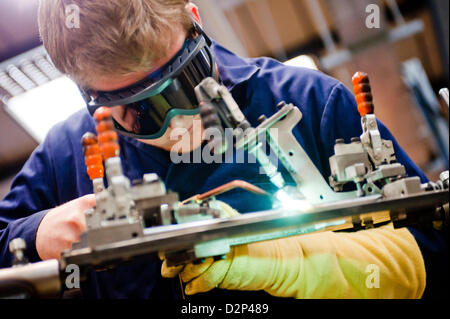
(193, 9)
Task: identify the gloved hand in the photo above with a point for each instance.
(377, 263)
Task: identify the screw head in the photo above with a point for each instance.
(281, 105)
(17, 245)
(262, 118)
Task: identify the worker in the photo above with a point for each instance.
(117, 55)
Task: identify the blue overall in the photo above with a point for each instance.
(55, 173)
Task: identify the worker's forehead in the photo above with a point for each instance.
(111, 83)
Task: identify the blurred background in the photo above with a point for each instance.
(406, 56)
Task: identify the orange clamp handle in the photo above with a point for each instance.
(107, 137)
(92, 156)
(363, 93)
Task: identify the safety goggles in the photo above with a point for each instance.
(146, 108)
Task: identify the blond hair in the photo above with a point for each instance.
(114, 37)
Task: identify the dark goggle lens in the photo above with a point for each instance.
(148, 116)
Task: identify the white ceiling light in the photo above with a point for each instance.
(39, 109)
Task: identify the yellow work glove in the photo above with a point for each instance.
(376, 263)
